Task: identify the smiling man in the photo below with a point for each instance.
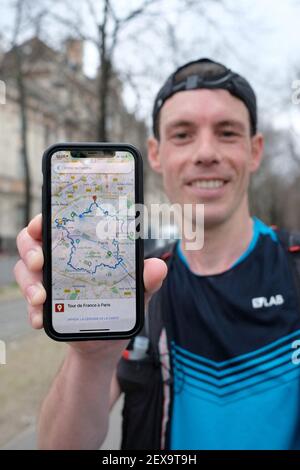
(222, 326)
(206, 154)
(228, 379)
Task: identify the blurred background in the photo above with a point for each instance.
(89, 71)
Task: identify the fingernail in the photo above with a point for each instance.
(31, 292)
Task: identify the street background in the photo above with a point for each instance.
(89, 70)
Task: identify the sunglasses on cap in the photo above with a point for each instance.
(205, 73)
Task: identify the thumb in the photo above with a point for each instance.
(155, 271)
(35, 227)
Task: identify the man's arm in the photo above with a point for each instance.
(115, 391)
(74, 415)
(75, 412)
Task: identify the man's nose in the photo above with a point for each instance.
(206, 152)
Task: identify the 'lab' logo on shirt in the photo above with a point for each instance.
(260, 302)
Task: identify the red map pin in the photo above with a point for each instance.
(59, 308)
(95, 198)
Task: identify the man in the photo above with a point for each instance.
(219, 373)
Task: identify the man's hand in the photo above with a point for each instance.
(28, 273)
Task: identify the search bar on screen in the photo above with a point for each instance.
(98, 167)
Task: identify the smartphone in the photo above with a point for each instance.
(92, 243)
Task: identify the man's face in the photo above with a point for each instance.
(205, 152)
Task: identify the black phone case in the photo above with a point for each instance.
(46, 237)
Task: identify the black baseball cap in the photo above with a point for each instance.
(206, 73)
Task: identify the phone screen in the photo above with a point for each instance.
(93, 242)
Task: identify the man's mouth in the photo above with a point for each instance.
(207, 184)
(213, 183)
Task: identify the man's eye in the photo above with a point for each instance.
(229, 134)
(180, 135)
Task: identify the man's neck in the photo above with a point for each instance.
(223, 245)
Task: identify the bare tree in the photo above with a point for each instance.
(27, 20)
(22, 100)
(108, 26)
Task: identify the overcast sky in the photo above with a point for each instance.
(258, 38)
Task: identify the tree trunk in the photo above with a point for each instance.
(104, 76)
(24, 145)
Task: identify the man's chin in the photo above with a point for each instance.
(213, 219)
(214, 213)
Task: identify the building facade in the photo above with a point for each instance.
(61, 105)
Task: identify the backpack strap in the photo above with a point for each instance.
(166, 254)
(146, 381)
(291, 242)
(159, 330)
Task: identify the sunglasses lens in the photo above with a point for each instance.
(205, 70)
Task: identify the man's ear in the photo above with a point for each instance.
(257, 149)
(153, 154)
